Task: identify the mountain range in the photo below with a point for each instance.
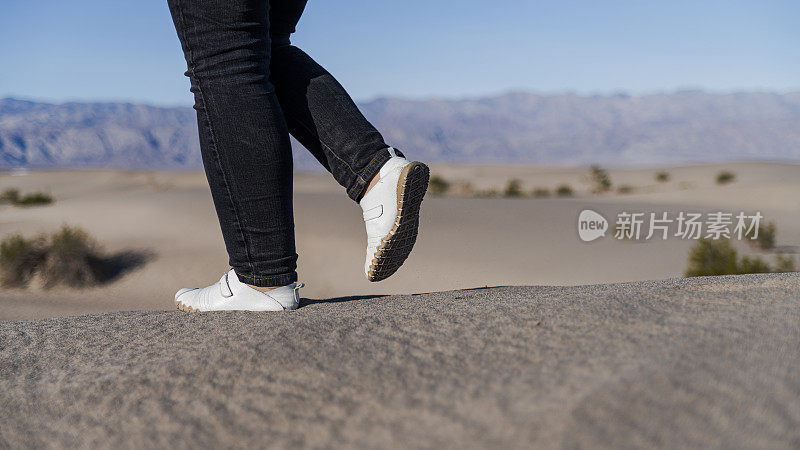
(519, 127)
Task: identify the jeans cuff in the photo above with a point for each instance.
(267, 280)
(374, 166)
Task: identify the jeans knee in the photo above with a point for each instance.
(235, 68)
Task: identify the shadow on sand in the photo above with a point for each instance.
(115, 265)
(310, 301)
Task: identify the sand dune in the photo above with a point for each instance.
(686, 363)
(464, 242)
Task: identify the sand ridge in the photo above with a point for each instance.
(682, 363)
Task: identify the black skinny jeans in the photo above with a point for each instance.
(252, 88)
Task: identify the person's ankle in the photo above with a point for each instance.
(372, 182)
(263, 288)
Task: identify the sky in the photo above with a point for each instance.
(114, 50)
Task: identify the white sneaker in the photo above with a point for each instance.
(391, 215)
(230, 294)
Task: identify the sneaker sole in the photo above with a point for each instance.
(185, 308)
(396, 246)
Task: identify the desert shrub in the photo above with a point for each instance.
(600, 180)
(564, 190)
(438, 185)
(709, 257)
(466, 189)
(784, 263)
(35, 198)
(625, 189)
(9, 195)
(12, 195)
(72, 259)
(540, 192)
(20, 258)
(68, 257)
(513, 188)
(766, 236)
(486, 193)
(753, 264)
(725, 177)
(662, 176)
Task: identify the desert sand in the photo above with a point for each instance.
(168, 218)
(686, 363)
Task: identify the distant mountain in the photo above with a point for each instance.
(569, 129)
(96, 134)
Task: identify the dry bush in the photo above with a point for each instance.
(725, 177)
(625, 189)
(564, 190)
(12, 196)
(784, 263)
(710, 257)
(67, 257)
(753, 264)
(486, 193)
(465, 189)
(438, 186)
(766, 236)
(20, 258)
(540, 192)
(662, 176)
(73, 259)
(9, 195)
(35, 198)
(600, 179)
(513, 189)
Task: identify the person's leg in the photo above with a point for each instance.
(323, 117)
(319, 112)
(243, 135)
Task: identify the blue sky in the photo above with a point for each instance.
(128, 50)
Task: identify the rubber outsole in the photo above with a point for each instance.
(185, 308)
(396, 246)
